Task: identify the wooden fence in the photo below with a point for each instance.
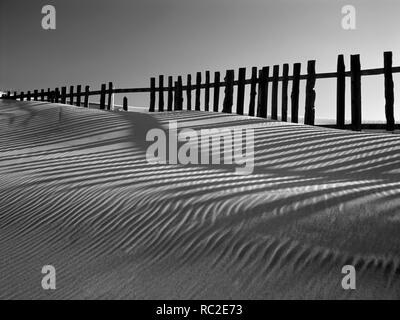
(259, 87)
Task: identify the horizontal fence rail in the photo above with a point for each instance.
(261, 80)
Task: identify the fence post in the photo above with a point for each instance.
(78, 95)
(285, 84)
(274, 102)
(35, 95)
(253, 91)
(125, 104)
(228, 99)
(152, 94)
(309, 115)
(189, 92)
(355, 92)
(110, 104)
(207, 92)
(48, 95)
(341, 93)
(71, 95)
(178, 94)
(21, 96)
(28, 96)
(103, 96)
(217, 85)
(56, 95)
(170, 93)
(263, 92)
(241, 91)
(161, 93)
(389, 91)
(42, 95)
(86, 99)
(64, 95)
(295, 93)
(198, 88)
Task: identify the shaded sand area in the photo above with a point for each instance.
(76, 192)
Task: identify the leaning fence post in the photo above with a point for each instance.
(241, 91)
(217, 85)
(78, 95)
(341, 93)
(295, 93)
(161, 93)
(355, 92)
(152, 94)
(253, 91)
(228, 99)
(274, 99)
(125, 104)
(198, 91)
(71, 95)
(263, 92)
(170, 93)
(285, 84)
(103, 97)
(309, 115)
(86, 99)
(389, 91)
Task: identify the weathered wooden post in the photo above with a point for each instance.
(71, 95)
(56, 95)
(295, 93)
(389, 91)
(253, 91)
(189, 92)
(49, 97)
(198, 91)
(28, 96)
(103, 91)
(341, 93)
(125, 104)
(207, 92)
(355, 92)
(64, 95)
(309, 115)
(86, 99)
(161, 93)
(152, 94)
(263, 92)
(241, 91)
(178, 94)
(35, 95)
(78, 95)
(170, 93)
(42, 95)
(228, 99)
(217, 85)
(110, 103)
(285, 84)
(21, 96)
(274, 100)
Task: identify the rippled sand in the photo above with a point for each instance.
(76, 192)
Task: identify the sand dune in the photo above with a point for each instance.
(76, 192)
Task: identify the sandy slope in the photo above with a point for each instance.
(76, 192)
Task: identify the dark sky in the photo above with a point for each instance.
(128, 41)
